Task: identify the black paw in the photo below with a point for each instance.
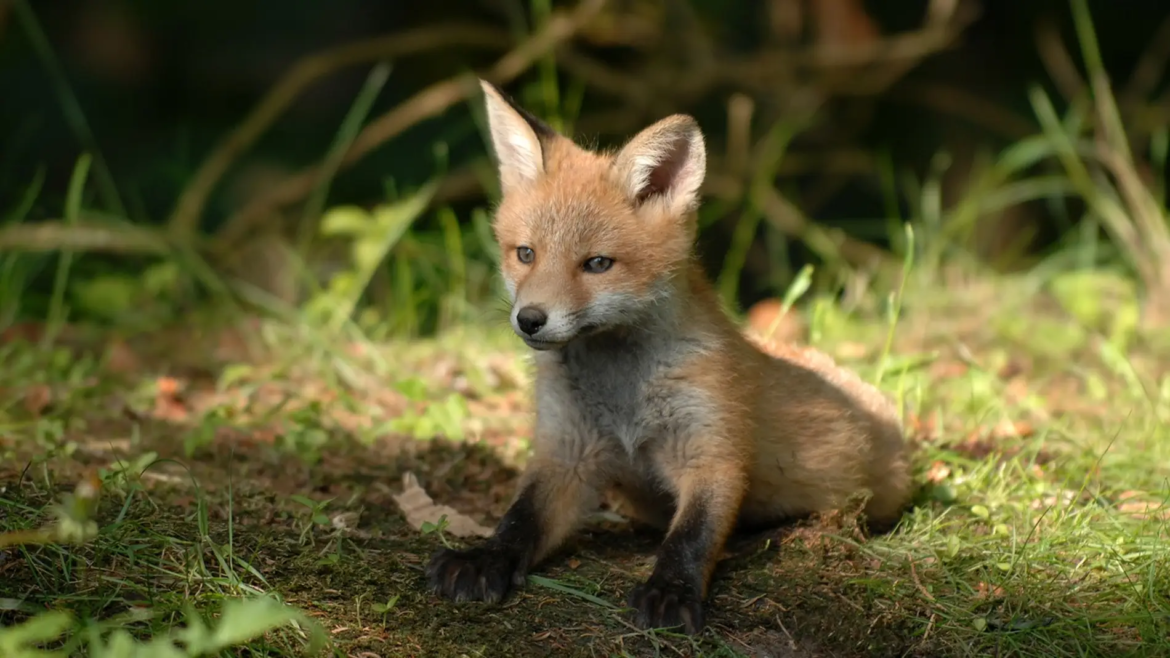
(484, 573)
(661, 604)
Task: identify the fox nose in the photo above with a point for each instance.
(531, 319)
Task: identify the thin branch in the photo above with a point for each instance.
(1057, 60)
(971, 106)
(1150, 68)
(899, 51)
(786, 217)
(722, 182)
(57, 235)
(425, 104)
(189, 209)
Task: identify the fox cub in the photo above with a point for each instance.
(645, 389)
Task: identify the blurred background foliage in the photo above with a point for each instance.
(330, 157)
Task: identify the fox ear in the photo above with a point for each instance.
(665, 163)
(517, 139)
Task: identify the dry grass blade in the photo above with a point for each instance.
(425, 104)
(304, 73)
(1057, 60)
(1144, 218)
(1150, 68)
(89, 237)
(786, 217)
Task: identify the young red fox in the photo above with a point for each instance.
(644, 387)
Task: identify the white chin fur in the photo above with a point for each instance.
(540, 345)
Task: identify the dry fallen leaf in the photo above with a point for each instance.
(984, 591)
(37, 398)
(418, 508)
(1006, 429)
(938, 472)
(921, 429)
(168, 386)
(121, 359)
(768, 321)
(851, 351)
(948, 369)
(1139, 506)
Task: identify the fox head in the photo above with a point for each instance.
(590, 241)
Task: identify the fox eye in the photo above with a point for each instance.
(525, 254)
(598, 264)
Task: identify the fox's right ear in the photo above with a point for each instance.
(518, 139)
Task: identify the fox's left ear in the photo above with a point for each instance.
(665, 163)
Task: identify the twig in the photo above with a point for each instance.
(791, 640)
(70, 105)
(425, 104)
(467, 181)
(972, 107)
(1058, 61)
(918, 582)
(740, 109)
(1149, 69)
(900, 51)
(780, 213)
(57, 235)
(304, 73)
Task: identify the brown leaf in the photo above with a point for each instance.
(948, 369)
(770, 323)
(168, 386)
(843, 23)
(1016, 390)
(418, 508)
(985, 591)
(851, 351)
(37, 398)
(921, 429)
(1012, 369)
(121, 359)
(1137, 505)
(938, 472)
(167, 403)
(25, 331)
(1006, 429)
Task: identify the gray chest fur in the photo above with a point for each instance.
(629, 390)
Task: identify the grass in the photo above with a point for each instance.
(227, 486)
(265, 479)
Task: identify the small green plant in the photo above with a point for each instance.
(23, 640)
(385, 608)
(305, 437)
(73, 515)
(438, 528)
(317, 516)
(240, 621)
(438, 418)
(372, 236)
(204, 433)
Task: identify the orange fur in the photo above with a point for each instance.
(645, 389)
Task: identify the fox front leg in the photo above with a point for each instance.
(709, 496)
(552, 500)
